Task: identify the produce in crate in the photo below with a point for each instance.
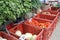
(2, 38)
(26, 36)
(18, 33)
(23, 37)
(36, 23)
(48, 13)
(33, 37)
(29, 35)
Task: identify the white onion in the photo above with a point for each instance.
(23, 37)
(18, 33)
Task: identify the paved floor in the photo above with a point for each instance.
(56, 33)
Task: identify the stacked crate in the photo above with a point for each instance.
(43, 33)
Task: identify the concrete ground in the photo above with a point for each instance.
(56, 33)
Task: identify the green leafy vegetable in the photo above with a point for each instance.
(12, 9)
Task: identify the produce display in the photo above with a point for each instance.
(2, 38)
(26, 36)
(48, 13)
(12, 10)
(36, 23)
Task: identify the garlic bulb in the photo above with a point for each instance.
(18, 33)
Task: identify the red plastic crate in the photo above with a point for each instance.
(50, 18)
(6, 36)
(59, 11)
(24, 28)
(54, 8)
(52, 12)
(43, 16)
(47, 31)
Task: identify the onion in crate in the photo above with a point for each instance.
(29, 35)
(18, 33)
(23, 37)
(33, 37)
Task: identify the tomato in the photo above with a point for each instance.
(41, 25)
(47, 24)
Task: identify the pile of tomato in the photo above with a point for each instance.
(39, 24)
